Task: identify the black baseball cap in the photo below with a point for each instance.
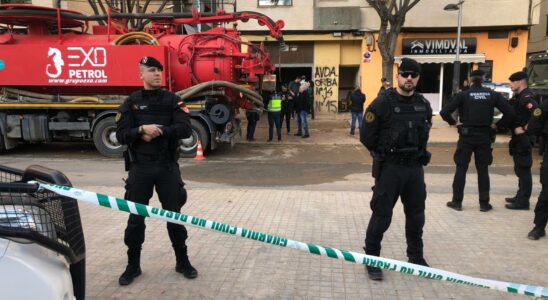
(409, 65)
(150, 61)
(518, 76)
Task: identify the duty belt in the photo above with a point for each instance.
(402, 159)
(152, 157)
(469, 130)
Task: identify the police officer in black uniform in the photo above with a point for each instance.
(151, 122)
(395, 130)
(524, 104)
(539, 125)
(476, 135)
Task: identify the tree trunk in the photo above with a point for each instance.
(387, 70)
(391, 13)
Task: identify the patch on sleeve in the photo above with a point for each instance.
(183, 107)
(537, 112)
(118, 117)
(369, 117)
(529, 105)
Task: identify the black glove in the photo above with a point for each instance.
(533, 139)
(425, 158)
(493, 135)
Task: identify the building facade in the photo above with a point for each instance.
(326, 40)
(538, 38)
(333, 42)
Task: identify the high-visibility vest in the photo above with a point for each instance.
(275, 103)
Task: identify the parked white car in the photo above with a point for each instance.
(504, 89)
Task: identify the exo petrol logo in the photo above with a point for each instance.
(77, 65)
(54, 70)
(95, 56)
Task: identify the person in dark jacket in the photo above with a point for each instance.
(151, 122)
(385, 85)
(524, 104)
(357, 100)
(287, 107)
(476, 135)
(252, 117)
(539, 126)
(294, 90)
(302, 107)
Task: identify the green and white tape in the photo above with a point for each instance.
(358, 258)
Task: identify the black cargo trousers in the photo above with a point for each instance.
(541, 209)
(403, 180)
(521, 152)
(143, 177)
(477, 140)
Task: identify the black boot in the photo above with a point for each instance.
(454, 205)
(418, 261)
(518, 205)
(133, 269)
(536, 233)
(485, 206)
(183, 264)
(352, 131)
(510, 199)
(374, 273)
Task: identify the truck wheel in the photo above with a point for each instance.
(189, 146)
(104, 138)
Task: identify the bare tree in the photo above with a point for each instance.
(391, 12)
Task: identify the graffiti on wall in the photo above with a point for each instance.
(326, 89)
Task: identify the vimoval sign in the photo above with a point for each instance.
(438, 46)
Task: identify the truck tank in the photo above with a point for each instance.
(49, 60)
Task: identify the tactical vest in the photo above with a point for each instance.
(478, 108)
(156, 109)
(406, 131)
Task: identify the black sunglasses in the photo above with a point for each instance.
(407, 74)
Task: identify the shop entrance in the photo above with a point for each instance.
(288, 73)
(437, 81)
(465, 69)
(348, 79)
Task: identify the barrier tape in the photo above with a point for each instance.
(358, 258)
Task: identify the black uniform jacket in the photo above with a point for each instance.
(173, 117)
(524, 104)
(475, 107)
(537, 124)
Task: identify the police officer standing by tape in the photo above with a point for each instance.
(476, 135)
(151, 122)
(396, 131)
(539, 125)
(524, 104)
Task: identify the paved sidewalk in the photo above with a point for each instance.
(468, 242)
(487, 245)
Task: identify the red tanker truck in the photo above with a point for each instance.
(59, 82)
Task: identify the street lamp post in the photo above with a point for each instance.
(456, 65)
